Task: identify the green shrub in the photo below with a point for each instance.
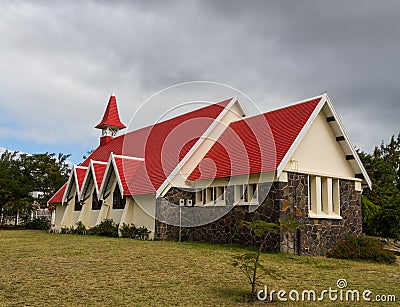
(79, 229)
(106, 228)
(41, 223)
(131, 231)
(128, 231)
(142, 233)
(361, 248)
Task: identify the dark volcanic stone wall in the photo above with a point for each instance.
(320, 235)
(284, 200)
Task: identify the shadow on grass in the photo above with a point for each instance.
(236, 295)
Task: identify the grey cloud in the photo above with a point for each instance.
(59, 61)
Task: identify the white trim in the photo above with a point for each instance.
(323, 175)
(75, 176)
(205, 135)
(296, 103)
(67, 187)
(92, 171)
(111, 164)
(349, 144)
(302, 133)
(324, 101)
(324, 216)
(128, 157)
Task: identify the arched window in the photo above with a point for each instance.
(118, 200)
(78, 206)
(96, 203)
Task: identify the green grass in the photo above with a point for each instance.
(40, 269)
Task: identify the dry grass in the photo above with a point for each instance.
(40, 269)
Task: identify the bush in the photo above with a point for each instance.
(131, 231)
(106, 228)
(128, 231)
(41, 223)
(79, 229)
(361, 248)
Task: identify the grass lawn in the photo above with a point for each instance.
(41, 269)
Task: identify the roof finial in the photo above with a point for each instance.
(113, 94)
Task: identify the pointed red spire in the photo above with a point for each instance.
(111, 116)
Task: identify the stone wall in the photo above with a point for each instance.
(320, 235)
(222, 224)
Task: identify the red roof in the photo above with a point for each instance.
(57, 198)
(161, 145)
(99, 170)
(127, 170)
(80, 175)
(248, 146)
(111, 116)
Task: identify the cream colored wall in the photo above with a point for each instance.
(60, 210)
(127, 214)
(144, 212)
(75, 217)
(92, 219)
(115, 215)
(319, 153)
(85, 212)
(67, 218)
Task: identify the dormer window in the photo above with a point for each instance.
(118, 200)
(96, 203)
(77, 206)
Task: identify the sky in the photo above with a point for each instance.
(61, 60)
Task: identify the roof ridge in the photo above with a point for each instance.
(305, 101)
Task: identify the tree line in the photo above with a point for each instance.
(21, 174)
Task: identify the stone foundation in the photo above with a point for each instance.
(315, 237)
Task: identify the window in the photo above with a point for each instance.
(118, 200)
(78, 206)
(96, 203)
(253, 192)
(243, 192)
(324, 197)
(211, 195)
(221, 194)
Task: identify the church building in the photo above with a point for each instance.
(198, 175)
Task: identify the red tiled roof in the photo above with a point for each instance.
(57, 197)
(248, 147)
(126, 167)
(111, 116)
(80, 175)
(99, 170)
(161, 145)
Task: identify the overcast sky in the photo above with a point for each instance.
(61, 60)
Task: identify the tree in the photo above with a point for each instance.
(23, 173)
(14, 186)
(249, 263)
(381, 205)
(47, 172)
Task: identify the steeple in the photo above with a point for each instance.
(110, 124)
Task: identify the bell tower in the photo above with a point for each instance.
(110, 124)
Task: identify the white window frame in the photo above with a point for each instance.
(324, 197)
